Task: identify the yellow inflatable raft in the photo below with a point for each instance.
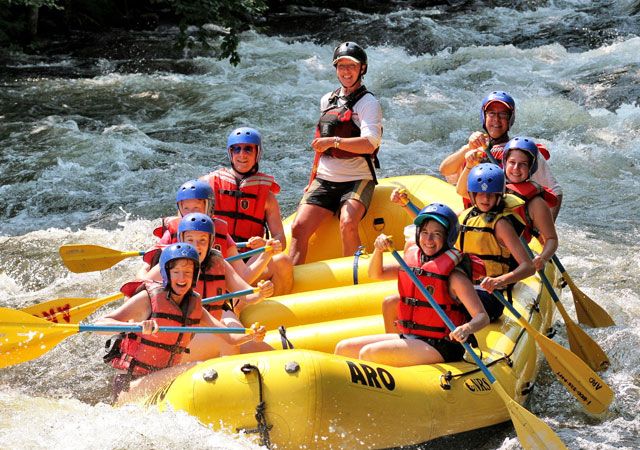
(309, 398)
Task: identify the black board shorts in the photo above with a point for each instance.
(450, 351)
(331, 195)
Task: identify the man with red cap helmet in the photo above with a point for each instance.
(497, 116)
(346, 143)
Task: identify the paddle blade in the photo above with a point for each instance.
(586, 348)
(80, 258)
(587, 311)
(578, 378)
(24, 337)
(69, 310)
(532, 432)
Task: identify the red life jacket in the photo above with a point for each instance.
(415, 314)
(241, 202)
(220, 240)
(337, 120)
(526, 191)
(211, 283)
(142, 354)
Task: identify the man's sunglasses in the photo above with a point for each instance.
(248, 149)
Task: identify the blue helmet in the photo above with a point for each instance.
(178, 251)
(502, 97)
(487, 178)
(197, 189)
(245, 135)
(444, 216)
(526, 145)
(197, 222)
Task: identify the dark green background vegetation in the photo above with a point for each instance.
(23, 23)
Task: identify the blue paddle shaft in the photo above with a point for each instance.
(217, 298)
(245, 254)
(509, 306)
(543, 277)
(558, 264)
(442, 314)
(138, 329)
(413, 207)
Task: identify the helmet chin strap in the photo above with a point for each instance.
(358, 80)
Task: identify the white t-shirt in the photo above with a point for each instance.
(367, 115)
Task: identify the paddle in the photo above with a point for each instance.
(248, 253)
(581, 382)
(408, 203)
(24, 337)
(73, 310)
(81, 258)
(588, 311)
(69, 310)
(532, 432)
(579, 341)
(217, 298)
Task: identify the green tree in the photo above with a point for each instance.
(234, 15)
(19, 18)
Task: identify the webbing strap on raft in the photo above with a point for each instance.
(262, 428)
(356, 257)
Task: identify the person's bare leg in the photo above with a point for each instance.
(351, 214)
(147, 385)
(308, 219)
(280, 272)
(390, 313)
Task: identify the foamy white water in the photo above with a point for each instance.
(95, 160)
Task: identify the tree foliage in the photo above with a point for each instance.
(234, 15)
(209, 18)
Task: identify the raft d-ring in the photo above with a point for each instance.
(551, 332)
(378, 223)
(527, 388)
(210, 375)
(445, 378)
(292, 367)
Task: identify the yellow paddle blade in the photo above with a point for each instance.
(80, 258)
(24, 337)
(69, 310)
(588, 311)
(578, 378)
(532, 432)
(582, 344)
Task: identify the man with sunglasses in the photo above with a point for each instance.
(346, 143)
(497, 116)
(246, 199)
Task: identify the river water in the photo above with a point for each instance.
(93, 149)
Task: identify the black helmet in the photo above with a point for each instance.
(352, 51)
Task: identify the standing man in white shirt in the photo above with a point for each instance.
(347, 139)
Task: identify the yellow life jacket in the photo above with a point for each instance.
(477, 234)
